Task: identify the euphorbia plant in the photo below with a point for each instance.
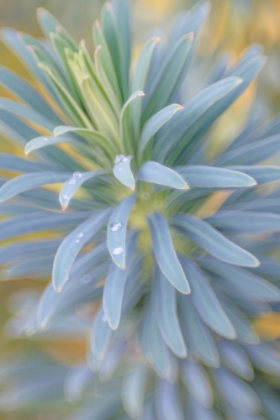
(176, 273)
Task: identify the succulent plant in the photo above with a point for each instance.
(171, 250)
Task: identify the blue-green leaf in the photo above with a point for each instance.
(154, 124)
(213, 241)
(100, 336)
(72, 245)
(73, 184)
(206, 302)
(242, 282)
(246, 221)
(262, 174)
(211, 177)
(237, 392)
(122, 171)
(197, 382)
(29, 181)
(115, 284)
(165, 253)
(133, 391)
(235, 358)
(40, 142)
(116, 232)
(167, 401)
(167, 317)
(126, 129)
(156, 173)
(198, 337)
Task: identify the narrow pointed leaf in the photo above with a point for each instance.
(74, 183)
(122, 171)
(72, 245)
(155, 123)
(246, 221)
(29, 181)
(165, 253)
(235, 358)
(213, 241)
(211, 177)
(115, 285)
(39, 142)
(116, 233)
(262, 174)
(206, 302)
(126, 131)
(167, 401)
(156, 173)
(167, 317)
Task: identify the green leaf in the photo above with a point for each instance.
(156, 173)
(122, 171)
(39, 142)
(211, 177)
(154, 124)
(72, 245)
(205, 301)
(167, 318)
(126, 132)
(133, 391)
(198, 338)
(115, 285)
(139, 81)
(117, 228)
(246, 221)
(74, 183)
(165, 253)
(213, 241)
(29, 181)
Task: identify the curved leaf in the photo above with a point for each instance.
(165, 253)
(72, 245)
(116, 232)
(197, 382)
(205, 301)
(74, 183)
(39, 142)
(210, 177)
(100, 336)
(122, 171)
(167, 318)
(213, 241)
(156, 173)
(133, 391)
(27, 182)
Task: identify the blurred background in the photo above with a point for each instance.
(232, 26)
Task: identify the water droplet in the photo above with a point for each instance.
(72, 181)
(104, 318)
(77, 174)
(145, 196)
(115, 226)
(46, 139)
(120, 158)
(80, 235)
(66, 197)
(85, 279)
(118, 251)
(77, 241)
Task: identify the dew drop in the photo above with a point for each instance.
(145, 196)
(66, 197)
(117, 251)
(80, 235)
(77, 241)
(85, 279)
(46, 139)
(120, 158)
(77, 174)
(115, 226)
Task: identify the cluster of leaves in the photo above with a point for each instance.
(176, 288)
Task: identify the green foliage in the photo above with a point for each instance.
(173, 335)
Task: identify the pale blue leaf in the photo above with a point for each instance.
(197, 382)
(156, 173)
(133, 391)
(122, 171)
